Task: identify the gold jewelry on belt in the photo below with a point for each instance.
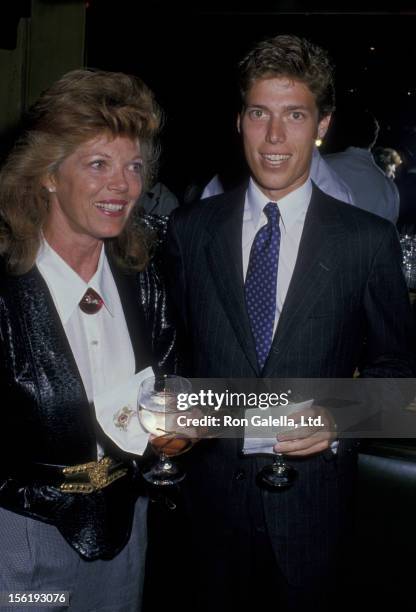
(92, 476)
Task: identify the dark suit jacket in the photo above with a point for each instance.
(347, 287)
(47, 419)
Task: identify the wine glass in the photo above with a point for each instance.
(158, 412)
(279, 474)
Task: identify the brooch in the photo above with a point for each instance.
(123, 417)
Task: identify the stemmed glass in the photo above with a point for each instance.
(158, 413)
(279, 474)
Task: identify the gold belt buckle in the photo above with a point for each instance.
(89, 477)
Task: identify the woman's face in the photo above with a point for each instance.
(94, 190)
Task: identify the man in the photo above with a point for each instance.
(372, 190)
(335, 264)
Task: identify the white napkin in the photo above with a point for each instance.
(265, 445)
(116, 411)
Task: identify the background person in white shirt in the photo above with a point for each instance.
(371, 188)
(82, 311)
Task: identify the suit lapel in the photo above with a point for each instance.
(224, 254)
(315, 265)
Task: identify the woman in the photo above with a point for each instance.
(81, 311)
(388, 160)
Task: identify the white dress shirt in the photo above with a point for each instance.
(292, 208)
(100, 342)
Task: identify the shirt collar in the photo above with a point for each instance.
(291, 207)
(66, 286)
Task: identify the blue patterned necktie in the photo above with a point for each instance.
(261, 282)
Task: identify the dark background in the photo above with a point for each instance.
(189, 56)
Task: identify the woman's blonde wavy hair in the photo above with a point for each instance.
(80, 106)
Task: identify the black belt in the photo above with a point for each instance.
(81, 478)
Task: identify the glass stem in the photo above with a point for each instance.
(278, 460)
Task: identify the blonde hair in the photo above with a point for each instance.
(83, 104)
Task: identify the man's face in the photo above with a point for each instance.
(279, 126)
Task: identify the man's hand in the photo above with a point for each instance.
(315, 432)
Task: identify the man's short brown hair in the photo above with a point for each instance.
(295, 58)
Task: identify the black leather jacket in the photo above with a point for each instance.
(45, 415)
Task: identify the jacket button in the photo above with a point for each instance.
(240, 475)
